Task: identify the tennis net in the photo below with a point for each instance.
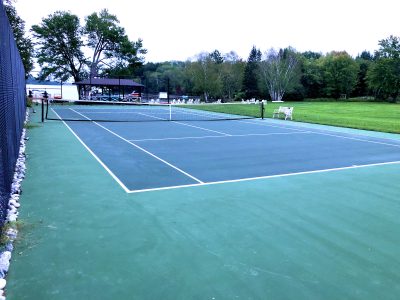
(137, 112)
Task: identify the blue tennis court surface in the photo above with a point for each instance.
(144, 156)
(243, 209)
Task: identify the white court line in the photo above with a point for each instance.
(209, 114)
(266, 177)
(356, 139)
(258, 122)
(206, 129)
(269, 125)
(94, 155)
(202, 128)
(214, 115)
(217, 182)
(142, 149)
(330, 134)
(238, 120)
(219, 136)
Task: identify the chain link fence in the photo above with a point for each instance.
(12, 108)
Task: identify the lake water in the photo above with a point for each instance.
(68, 92)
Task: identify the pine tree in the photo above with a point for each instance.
(250, 78)
(216, 57)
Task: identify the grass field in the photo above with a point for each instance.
(383, 117)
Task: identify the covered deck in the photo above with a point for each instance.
(109, 89)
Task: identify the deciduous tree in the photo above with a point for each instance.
(110, 45)
(206, 79)
(59, 41)
(384, 74)
(312, 77)
(61, 44)
(278, 70)
(24, 42)
(339, 73)
(232, 70)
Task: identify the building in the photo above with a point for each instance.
(109, 89)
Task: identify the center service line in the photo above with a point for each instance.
(93, 154)
(140, 148)
(198, 127)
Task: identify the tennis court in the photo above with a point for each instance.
(188, 209)
(145, 156)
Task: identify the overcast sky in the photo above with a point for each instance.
(179, 29)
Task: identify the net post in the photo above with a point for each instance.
(30, 97)
(42, 110)
(44, 98)
(262, 110)
(47, 109)
(170, 112)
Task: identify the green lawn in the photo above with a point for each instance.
(383, 117)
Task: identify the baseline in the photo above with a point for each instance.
(267, 177)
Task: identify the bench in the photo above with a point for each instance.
(283, 110)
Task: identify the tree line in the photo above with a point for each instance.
(60, 45)
(283, 74)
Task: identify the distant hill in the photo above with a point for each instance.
(33, 80)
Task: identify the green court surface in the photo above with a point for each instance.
(329, 235)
